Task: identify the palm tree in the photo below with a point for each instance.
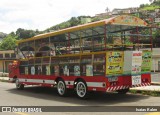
(107, 9)
(150, 1)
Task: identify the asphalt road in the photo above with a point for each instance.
(38, 96)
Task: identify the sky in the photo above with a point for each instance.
(42, 14)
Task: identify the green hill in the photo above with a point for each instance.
(74, 21)
(154, 5)
(2, 36)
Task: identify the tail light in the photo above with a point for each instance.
(145, 80)
(113, 83)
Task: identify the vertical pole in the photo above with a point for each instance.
(3, 66)
(131, 39)
(105, 43)
(151, 39)
(80, 43)
(69, 44)
(34, 52)
(105, 64)
(154, 65)
(49, 45)
(105, 38)
(137, 37)
(92, 42)
(50, 72)
(50, 50)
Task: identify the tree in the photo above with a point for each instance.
(142, 5)
(107, 9)
(23, 34)
(9, 42)
(151, 1)
(2, 35)
(74, 21)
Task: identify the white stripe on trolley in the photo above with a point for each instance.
(118, 87)
(108, 89)
(94, 84)
(69, 82)
(89, 84)
(21, 80)
(49, 81)
(121, 87)
(111, 88)
(37, 81)
(114, 88)
(143, 84)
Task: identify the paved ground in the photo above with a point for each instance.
(38, 96)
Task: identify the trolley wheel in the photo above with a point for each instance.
(19, 85)
(81, 90)
(123, 91)
(61, 88)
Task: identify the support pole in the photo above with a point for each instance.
(69, 44)
(137, 37)
(151, 39)
(105, 38)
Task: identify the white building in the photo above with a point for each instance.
(156, 59)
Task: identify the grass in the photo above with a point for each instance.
(150, 8)
(151, 93)
(133, 91)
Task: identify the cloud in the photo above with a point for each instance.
(42, 14)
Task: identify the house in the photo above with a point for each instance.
(124, 11)
(134, 10)
(104, 14)
(6, 57)
(116, 11)
(157, 20)
(157, 10)
(156, 59)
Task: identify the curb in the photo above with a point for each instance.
(155, 83)
(155, 93)
(144, 90)
(4, 80)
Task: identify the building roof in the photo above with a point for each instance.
(117, 20)
(6, 51)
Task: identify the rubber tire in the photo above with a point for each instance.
(123, 91)
(86, 95)
(65, 90)
(18, 85)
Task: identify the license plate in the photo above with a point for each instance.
(136, 80)
(112, 79)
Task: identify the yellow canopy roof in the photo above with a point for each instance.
(117, 20)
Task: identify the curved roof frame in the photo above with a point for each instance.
(117, 20)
